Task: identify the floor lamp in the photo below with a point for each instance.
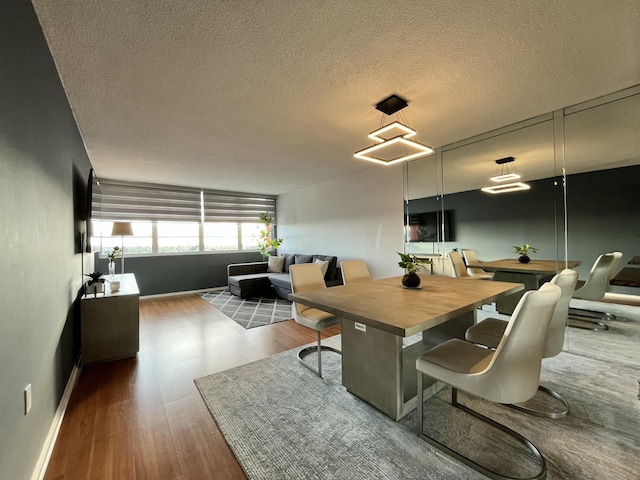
(122, 229)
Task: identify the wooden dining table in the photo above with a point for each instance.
(531, 275)
(378, 365)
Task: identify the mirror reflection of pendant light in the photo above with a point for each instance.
(507, 173)
(393, 139)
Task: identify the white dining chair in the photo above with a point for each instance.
(471, 258)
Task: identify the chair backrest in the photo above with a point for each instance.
(304, 278)
(457, 264)
(354, 271)
(513, 374)
(596, 285)
(613, 269)
(554, 340)
(471, 257)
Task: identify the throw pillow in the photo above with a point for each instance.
(275, 264)
(289, 259)
(323, 266)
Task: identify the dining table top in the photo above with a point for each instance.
(550, 267)
(387, 305)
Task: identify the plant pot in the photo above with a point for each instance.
(524, 259)
(411, 280)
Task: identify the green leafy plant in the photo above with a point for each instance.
(411, 263)
(524, 249)
(265, 242)
(95, 278)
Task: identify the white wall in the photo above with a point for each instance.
(358, 216)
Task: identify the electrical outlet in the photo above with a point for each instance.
(27, 399)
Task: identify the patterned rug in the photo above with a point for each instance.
(249, 313)
(314, 429)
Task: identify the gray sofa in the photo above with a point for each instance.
(248, 280)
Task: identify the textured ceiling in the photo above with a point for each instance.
(271, 96)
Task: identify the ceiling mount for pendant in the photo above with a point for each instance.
(395, 143)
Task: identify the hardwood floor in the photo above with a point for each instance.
(143, 418)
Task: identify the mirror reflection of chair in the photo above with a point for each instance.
(306, 277)
(490, 331)
(509, 374)
(457, 265)
(470, 257)
(594, 288)
(354, 271)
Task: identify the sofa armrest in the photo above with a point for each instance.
(246, 268)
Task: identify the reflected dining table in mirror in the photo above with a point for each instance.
(378, 316)
(531, 275)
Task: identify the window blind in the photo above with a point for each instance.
(117, 200)
(236, 207)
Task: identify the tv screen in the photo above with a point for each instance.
(427, 226)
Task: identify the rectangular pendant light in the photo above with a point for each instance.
(506, 188)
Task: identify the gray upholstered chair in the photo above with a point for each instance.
(306, 277)
(508, 374)
(354, 271)
(490, 331)
(470, 257)
(594, 288)
(457, 265)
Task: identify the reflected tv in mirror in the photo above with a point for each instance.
(427, 226)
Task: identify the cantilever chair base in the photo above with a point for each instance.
(316, 349)
(581, 312)
(544, 413)
(542, 474)
(585, 322)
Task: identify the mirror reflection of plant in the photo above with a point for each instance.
(265, 242)
(411, 263)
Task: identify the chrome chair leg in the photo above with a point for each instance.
(544, 413)
(316, 349)
(582, 312)
(584, 323)
(542, 474)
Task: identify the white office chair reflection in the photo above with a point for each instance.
(470, 258)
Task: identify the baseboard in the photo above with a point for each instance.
(186, 292)
(47, 450)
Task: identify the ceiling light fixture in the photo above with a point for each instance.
(396, 145)
(507, 172)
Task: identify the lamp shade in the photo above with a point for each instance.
(122, 229)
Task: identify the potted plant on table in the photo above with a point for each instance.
(524, 252)
(412, 265)
(95, 284)
(265, 242)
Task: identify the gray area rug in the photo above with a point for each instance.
(283, 422)
(252, 312)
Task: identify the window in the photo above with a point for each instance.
(170, 219)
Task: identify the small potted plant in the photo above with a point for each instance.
(524, 252)
(412, 266)
(95, 284)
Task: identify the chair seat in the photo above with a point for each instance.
(455, 356)
(489, 332)
(483, 275)
(317, 319)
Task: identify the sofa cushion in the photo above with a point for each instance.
(275, 264)
(303, 258)
(282, 280)
(332, 268)
(289, 259)
(252, 277)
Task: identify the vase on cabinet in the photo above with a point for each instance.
(112, 268)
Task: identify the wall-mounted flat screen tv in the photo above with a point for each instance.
(427, 226)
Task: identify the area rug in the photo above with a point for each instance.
(284, 422)
(252, 312)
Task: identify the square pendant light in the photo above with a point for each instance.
(394, 145)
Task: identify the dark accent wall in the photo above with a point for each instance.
(43, 164)
(179, 273)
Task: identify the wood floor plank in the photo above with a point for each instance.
(143, 418)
